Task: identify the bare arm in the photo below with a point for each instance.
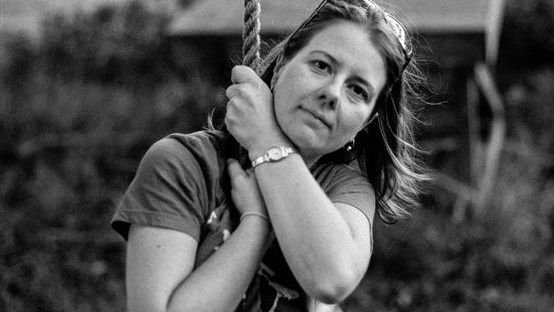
(160, 261)
(326, 245)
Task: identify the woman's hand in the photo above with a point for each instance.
(244, 189)
(246, 193)
(250, 115)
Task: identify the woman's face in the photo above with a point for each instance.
(324, 95)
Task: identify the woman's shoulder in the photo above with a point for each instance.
(198, 142)
(204, 146)
(203, 151)
(327, 171)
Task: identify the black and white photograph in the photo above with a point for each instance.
(276, 155)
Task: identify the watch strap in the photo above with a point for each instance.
(273, 154)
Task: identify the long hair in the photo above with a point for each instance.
(384, 149)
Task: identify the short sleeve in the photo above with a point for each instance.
(168, 191)
(346, 185)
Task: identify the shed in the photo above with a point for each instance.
(452, 33)
(458, 41)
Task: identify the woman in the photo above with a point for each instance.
(329, 140)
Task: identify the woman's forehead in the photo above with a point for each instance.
(351, 46)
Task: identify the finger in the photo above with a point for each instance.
(230, 125)
(232, 91)
(230, 121)
(234, 169)
(232, 111)
(241, 74)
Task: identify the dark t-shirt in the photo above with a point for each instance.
(182, 184)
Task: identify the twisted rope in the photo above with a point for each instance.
(251, 34)
(250, 50)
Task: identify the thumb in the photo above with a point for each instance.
(242, 74)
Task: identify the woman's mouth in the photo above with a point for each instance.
(317, 116)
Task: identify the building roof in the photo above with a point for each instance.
(224, 17)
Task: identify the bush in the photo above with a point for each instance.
(500, 262)
(113, 44)
(78, 110)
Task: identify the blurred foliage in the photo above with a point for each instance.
(503, 261)
(80, 107)
(109, 45)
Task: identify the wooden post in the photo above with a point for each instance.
(493, 148)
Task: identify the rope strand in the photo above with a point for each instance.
(250, 50)
(251, 34)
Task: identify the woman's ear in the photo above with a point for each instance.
(279, 65)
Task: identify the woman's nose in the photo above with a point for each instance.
(330, 94)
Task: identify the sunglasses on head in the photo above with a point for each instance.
(398, 30)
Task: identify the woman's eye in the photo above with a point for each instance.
(322, 66)
(360, 92)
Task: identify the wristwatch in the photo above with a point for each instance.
(273, 154)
